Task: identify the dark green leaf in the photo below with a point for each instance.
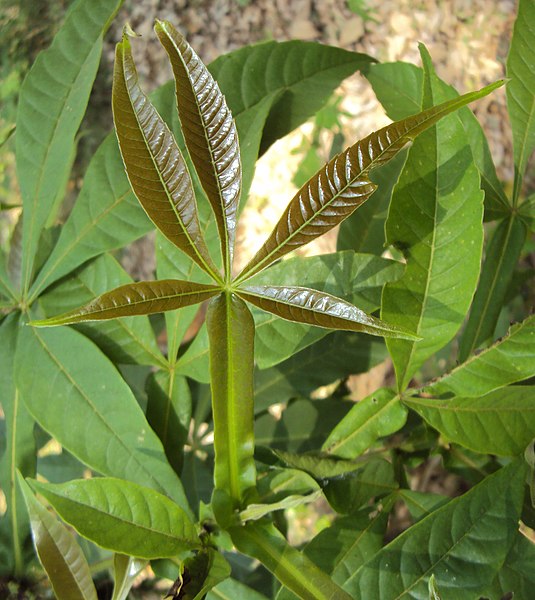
(15, 256)
(291, 567)
(520, 90)
(420, 504)
(58, 551)
(501, 256)
(6, 287)
(52, 103)
(210, 134)
(303, 305)
(125, 571)
(142, 298)
(154, 164)
(61, 467)
(82, 411)
(502, 422)
(344, 184)
(169, 413)
(378, 415)
(435, 218)
(20, 450)
(508, 361)
(122, 516)
(231, 332)
(463, 544)
(127, 340)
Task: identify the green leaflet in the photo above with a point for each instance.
(378, 415)
(291, 567)
(210, 134)
(58, 551)
(231, 589)
(398, 86)
(126, 340)
(154, 164)
(122, 516)
(502, 422)
(142, 298)
(463, 544)
(507, 361)
(256, 511)
(231, 332)
(343, 184)
(303, 305)
(82, 412)
(20, 451)
(125, 571)
(317, 464)
(501, 256)
(435, 218)
(52, 103)
(520, 90)
(276, 484)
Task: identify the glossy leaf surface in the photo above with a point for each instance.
(378, 415)
(435, 218)
(463, 544)
(231, 332)
(154, 164)
(502, 422)
(520, 90)
(59, 553)
(210, 133)
(52, 103)
(145, 297)
(122, 516)
(507, 361)
(343, 184)
(127, 340)
(311, 307)
(291, 567)
(82, 411)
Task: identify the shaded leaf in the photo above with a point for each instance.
(15, 258)
(502, 422)
(210, 134)
(378, 415)
(154, 164)
(59, 553)
(311, 307)
(6, 288)
(142, 298)
(435, 218)
(53, 99)
(507, 361)
(125, 571)
(276, 484)
(82, 412)
(343, 184)
(291, 567)
(501, 256)
(420, 504)
(127, 340)
(231, 589)
(231, 332)
(520, 90)
(318, 465)
(122, 516)
(463, 544)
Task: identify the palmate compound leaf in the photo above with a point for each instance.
(154, 164)
(122, 516)
(142, 298)
(210, 134)
(343, 184)
(304, 305)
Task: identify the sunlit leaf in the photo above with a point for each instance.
(210, 133)
(311, 307)
(231, 589)
(255, 511)
(145, 297)
(122, 516)
(58, 551)
(343, 184)
(502, 422)
(53, 99)
(154, 164)
(507, 361)
(276, 484)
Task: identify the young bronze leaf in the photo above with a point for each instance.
(209, 132)
(154, 164)
(304, 305)
(143, 298)
(343, 184)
